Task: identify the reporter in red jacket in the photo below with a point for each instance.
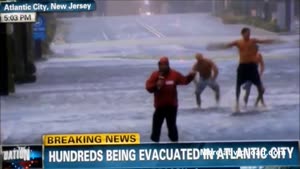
(163, 83)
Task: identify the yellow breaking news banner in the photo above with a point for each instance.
(91, 139)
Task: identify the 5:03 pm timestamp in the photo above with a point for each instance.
(17, 17)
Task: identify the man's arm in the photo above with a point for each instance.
(185, 80)
(261, 65)
(215, 70)
(222, 46)
(267, 41)
(195, 70)
(231, 44)
(151, 83)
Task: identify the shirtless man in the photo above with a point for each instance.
(247, 85)
(208, 73)
(247, 69)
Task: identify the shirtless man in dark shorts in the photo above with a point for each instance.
(208, 73)
(247, 69)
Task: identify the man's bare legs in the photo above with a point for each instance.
(260, 96)
(216, 88)
(247, 88)
(238, 91)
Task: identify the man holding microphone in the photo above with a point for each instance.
(163, 84)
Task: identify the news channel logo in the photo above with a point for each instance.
(22, 157)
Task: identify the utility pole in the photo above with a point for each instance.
(289, 14)
(214, 10)
(4, 69)
(267, 11)
(246, 8)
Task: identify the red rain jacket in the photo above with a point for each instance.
(167, 94)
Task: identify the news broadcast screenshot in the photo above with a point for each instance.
(149, 84)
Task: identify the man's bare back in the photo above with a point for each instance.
(204, 66)
(208, 74)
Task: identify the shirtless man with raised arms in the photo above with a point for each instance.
(247, 69)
